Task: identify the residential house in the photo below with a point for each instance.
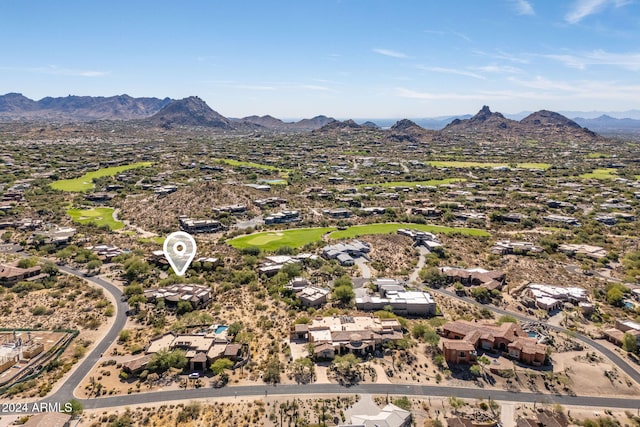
(464, 338)
(346, 253)
(10, 275)
(198, 295)
(616, 334)
(590, 251)
(357, 334)
(569, 220)
(431, 212)
(552, 298)
(422, 238)
(340, 213)
(269, 201)
(283, 217)
(475, 277)
(506, 247)
(313, 296)
(273, 264)
(389, 416)
(392, 293)
(200, 349)
(195, 226)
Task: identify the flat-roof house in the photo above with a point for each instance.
(393, 294)
(337, 213)
(313, 296)
(198, 295)
(283, 217)
(357, 334)
(345, 259)
(195, 226)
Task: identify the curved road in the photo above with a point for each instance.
(617, 360)
(65, 392)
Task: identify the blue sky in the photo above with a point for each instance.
(342, 58)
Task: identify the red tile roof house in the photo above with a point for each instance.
(464, 338)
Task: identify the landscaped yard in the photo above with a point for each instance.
(85, 182)
(385, 228)
(432, 182)
(605, 173)
(99, 216)
(295, 238)
(462, 165)
(272, 240)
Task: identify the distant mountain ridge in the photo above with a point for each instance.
(15, 106)
(543, 124)
(608, 124)
(193, 111)
(271, 122)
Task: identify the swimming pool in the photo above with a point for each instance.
(221, 329)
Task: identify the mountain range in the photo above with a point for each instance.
(193, 111)
(15, 106)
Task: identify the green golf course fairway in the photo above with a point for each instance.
(99, 216)
(385, 228)
(604, 173)
(298, 237)
(272, 240)
(85, 182)
(462, 165)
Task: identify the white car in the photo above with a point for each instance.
(194, 376)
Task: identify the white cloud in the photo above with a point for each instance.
(629, 60)
(582, 89)
(447, 33)
(412, 94)
(499, 69)
(390, 53)
(523, 7)
(451, 71)
(504, 56)
(583, 8)
(58, 71)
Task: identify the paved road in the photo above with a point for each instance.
(617, 360)
(378, 389)
(65, 392)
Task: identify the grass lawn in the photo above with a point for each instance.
(232, 162)
(99, 216)
(432, 182)
(85, 182)
(386, 228)
(462, 165)
(272, 240)
(272, 181)
(157, 239)
(606, 173)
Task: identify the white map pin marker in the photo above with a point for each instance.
(179, 248)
